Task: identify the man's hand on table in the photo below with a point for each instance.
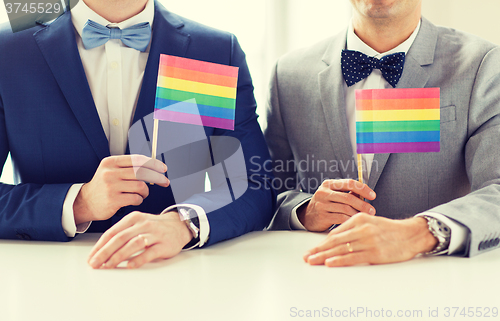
(367, 239)
(160, 236)
(335, 202)
(119, 181)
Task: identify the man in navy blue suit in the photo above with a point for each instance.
(66, 105)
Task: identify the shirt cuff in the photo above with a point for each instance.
(202, 217)
(68, 216)
(294, 220)
(459, 232)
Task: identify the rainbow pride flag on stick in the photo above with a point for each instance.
(196, 92)
(397, 120)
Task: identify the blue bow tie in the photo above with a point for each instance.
(137, 36)
(356, 66)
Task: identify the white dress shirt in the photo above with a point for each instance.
(376, 81)
(114, 74)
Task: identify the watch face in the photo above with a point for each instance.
(183, 214)
(443, 228)
(188, 213)
(441, 232)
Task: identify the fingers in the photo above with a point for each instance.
(120, 240)
(134, 187)
(348, 259)
(128, 199)
(150, 176)
(354, 221)
(127, 222)
(134, 245)
(158, 236)
(334, 240)
(139, 167)
(150, 254)
(349, 185)
(366, 239)
(343, 249)
(337, 205)
(100, 198)
(128, 193)
(334, 202)
(138, 161)
(141, 174)
(355, 235)
(336, 218)
(328, 207)
(348, 203)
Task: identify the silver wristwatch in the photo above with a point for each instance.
(190, 218)
(441, 232)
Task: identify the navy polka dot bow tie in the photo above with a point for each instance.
(356, 66)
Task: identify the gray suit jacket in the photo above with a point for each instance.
(309, 142)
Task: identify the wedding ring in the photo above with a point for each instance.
(146, 244)
(349, 247)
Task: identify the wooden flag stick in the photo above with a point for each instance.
(155, 141)
(360, 172)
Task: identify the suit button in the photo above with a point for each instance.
(20, 236)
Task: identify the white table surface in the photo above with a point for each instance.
(259, 276)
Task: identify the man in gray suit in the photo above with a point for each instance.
(430, 203)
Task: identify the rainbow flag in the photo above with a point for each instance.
(196, 92)
(397, 120)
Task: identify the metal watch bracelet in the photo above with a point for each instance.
(441, 232)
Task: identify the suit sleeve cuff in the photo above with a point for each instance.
(202, 217)
(68, 216)
(459, 232)
(294, 220)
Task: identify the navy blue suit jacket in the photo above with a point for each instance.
(49, 123)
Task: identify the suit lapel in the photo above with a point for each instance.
(167, 39)
(421, 53)
(331, 86)
(58, 45)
